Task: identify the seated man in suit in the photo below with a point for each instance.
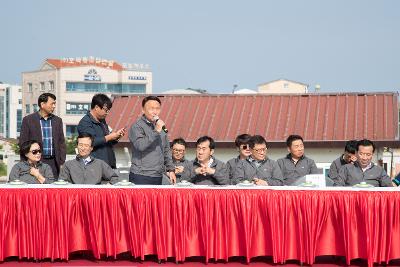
(363, 170)
(296, 165)
(258, 167)
(242, 145)
(205, 169)
(181, 164)
(85, 169)
(349, 156)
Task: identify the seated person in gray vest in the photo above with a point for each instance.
(258, 167)
(205, 169)
(296, 165)
(363, 170)
(242, 145)
(182, 165)
(30, 169)
(349, 156)
(85, 169)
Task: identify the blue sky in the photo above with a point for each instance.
(341, 45)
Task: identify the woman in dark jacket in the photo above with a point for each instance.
(30, 169)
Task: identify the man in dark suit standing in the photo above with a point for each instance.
(46, 128)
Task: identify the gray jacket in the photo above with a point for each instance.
(291, 172)
(150, 149)
(76, 172)
(220, 177)
(231, 167)
(352, 174)
(268, 171)
(336, 165)
(186, 170)
(21, 171)
(98, 129)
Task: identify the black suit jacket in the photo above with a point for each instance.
(30, 130)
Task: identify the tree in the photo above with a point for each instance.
(70, 143)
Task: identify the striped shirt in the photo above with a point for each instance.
(47, 137)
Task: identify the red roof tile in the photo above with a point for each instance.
(316, 117)
(58, 63)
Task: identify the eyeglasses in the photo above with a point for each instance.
(36, 151)
(83, 145)
(105, 109)
(260, 150)
(178, 150)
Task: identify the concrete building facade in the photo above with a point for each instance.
(74, 81)
(10, 110)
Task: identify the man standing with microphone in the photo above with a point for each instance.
(151, 155)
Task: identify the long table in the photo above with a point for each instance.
(48, 221)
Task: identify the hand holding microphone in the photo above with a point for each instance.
(160, 125)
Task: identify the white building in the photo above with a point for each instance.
(74, 81)
(283, 86)
(10, 110)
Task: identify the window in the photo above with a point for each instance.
(30, 87)
(42, 87)
(19, 101)
(1, 114)
(51, 85)
(71, 130)
(35, 108)
(19, 120)
(105, 87)
(27, 109)
(286, 85)
(20, 90)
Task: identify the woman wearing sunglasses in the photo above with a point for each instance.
(30, 169)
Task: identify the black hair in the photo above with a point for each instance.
(26, 147)
(43, 98)
(351, 146)
(148, 98)
(366, 142)
(257, 139)
(179, 141)
(293, 138)
(85, 135)
(101, 100)
(205, 139)
(242, 139)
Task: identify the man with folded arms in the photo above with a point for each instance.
(363, 170)
(205, 169)
(85, 169)
(258, 167)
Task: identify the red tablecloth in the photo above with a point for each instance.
(215, 223)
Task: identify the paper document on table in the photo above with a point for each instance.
(317, 179)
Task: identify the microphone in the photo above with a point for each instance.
(156, 118)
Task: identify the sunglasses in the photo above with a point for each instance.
(36, 151)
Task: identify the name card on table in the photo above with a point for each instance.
(317, 179)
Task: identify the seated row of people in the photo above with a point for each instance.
(252, 163)
(353, 167)
(84, 169)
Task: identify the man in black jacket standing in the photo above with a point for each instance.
(46, 128)
(94, 123)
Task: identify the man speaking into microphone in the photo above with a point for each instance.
(151, 155)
